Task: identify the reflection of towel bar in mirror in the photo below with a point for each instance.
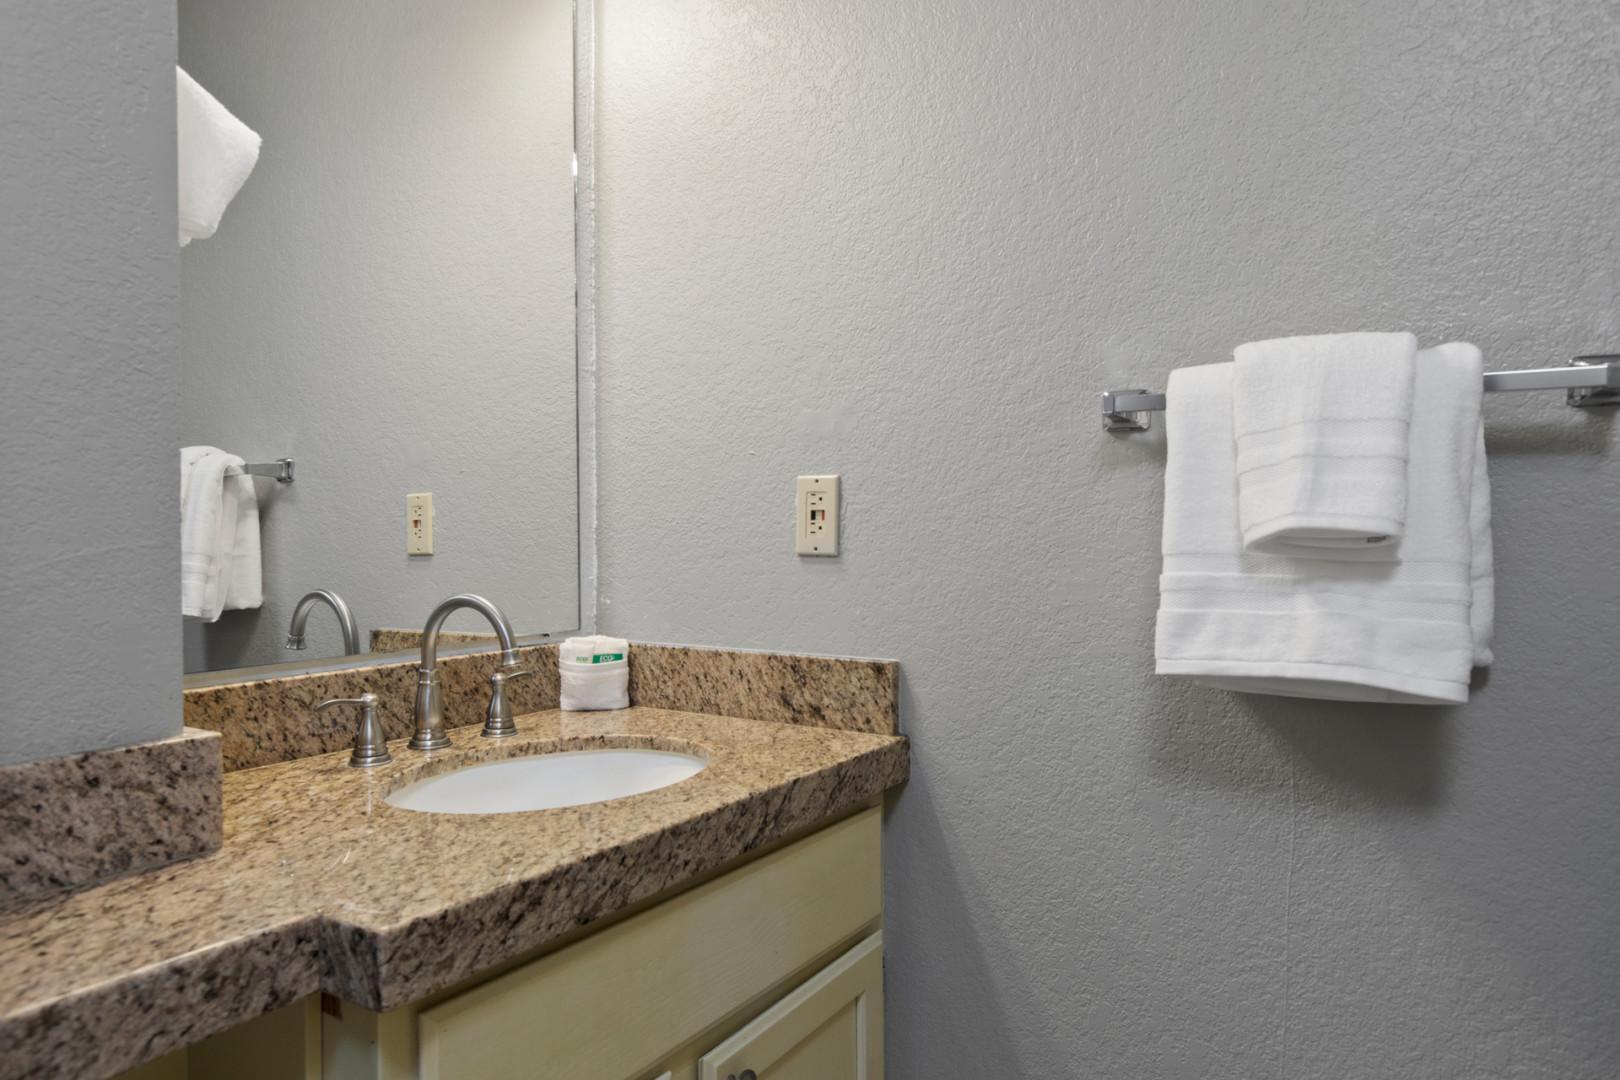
(279, 470)
(1591, 380)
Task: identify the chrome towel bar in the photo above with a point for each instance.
(280, 470)
(1590, 380)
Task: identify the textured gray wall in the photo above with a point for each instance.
(89, 305)
(390, 301)
(910, 242)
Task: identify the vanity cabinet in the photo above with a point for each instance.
(774, 967)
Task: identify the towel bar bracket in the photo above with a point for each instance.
(1586, 397)
(1118, 417)
(280, 470)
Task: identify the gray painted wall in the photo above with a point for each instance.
(910, 242)
(89, 302)
(390, 301)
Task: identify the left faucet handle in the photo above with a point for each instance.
(370, 746)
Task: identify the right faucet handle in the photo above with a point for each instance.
(370, 747)
(498, 722)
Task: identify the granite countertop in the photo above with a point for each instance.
(320, 885)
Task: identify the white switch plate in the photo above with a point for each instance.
(419, 524)
(816, 531)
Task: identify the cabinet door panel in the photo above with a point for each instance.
(617, 1003)
(831, 1028)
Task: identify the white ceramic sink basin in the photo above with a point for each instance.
(546, 781)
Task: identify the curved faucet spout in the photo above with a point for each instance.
(429, 699)
(496, 617)
(345, 617)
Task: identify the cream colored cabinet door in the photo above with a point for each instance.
(830, 1028)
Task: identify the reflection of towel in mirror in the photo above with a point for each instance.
(217, 152)
(219, 535)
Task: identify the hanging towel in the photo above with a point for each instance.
(1322, 429)
(220, 566)
(1407, 631)
(1482, 574)
(217, 152)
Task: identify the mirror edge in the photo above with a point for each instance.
(585, 307)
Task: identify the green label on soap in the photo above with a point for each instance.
(599, 658)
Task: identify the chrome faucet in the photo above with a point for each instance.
(430, 733)
(300, 616)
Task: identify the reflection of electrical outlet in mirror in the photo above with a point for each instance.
(816, 531)
(419, 524)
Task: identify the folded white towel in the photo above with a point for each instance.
(220, 566)
(1308, 627)
(217, 152)
(1322, 428)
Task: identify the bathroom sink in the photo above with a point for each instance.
(546, 781)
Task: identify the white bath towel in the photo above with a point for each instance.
(1407, 631)
(1322, 427)
(217, 152)
(220, 566)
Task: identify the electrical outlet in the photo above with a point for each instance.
(816, 532)
(419, 524)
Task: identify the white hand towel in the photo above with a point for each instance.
(219, 535)
(1360, 631)
(1322, 429)
(244, 568)
(217, 152)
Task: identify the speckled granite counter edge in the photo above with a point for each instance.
(122, 1020)
(79, 820)
(384, 970)
(264, 721)
(388, 639)
(172, 1006)
(843, 693)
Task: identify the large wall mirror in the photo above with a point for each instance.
(389, 301)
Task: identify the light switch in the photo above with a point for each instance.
(816, 532)
(419, 524)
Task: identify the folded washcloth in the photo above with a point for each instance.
(220, 567)
(1321, 425)
(1408, 631)
(217, 152)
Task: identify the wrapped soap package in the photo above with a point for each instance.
(595, 673)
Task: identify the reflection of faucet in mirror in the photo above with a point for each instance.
(300, 615)
(429, 699)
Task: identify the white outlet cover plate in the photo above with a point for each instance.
(815, 530)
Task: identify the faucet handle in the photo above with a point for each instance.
(368, 701)
(498, 723)
(370, 748)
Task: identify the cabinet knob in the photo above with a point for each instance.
(746, 1074)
